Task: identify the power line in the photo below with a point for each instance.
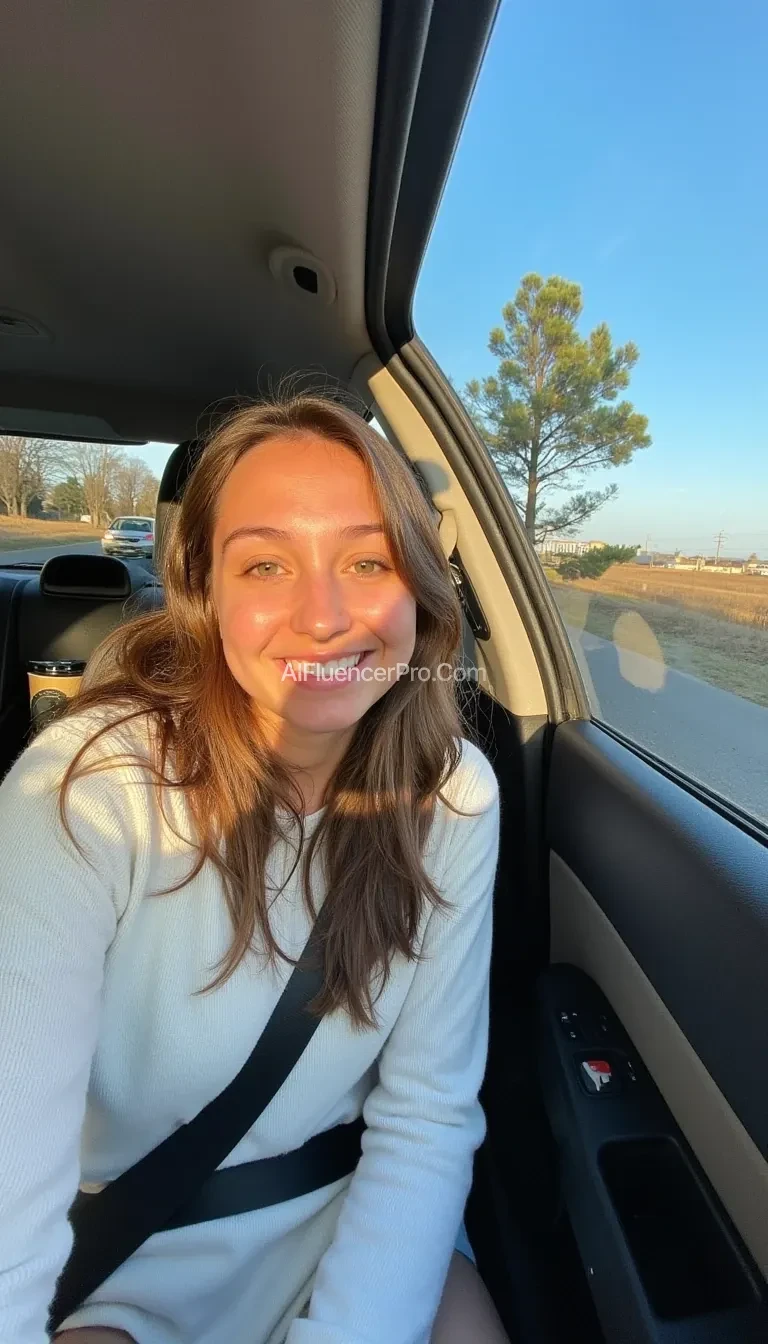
(701, 536)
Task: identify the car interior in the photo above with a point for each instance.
(202, 202)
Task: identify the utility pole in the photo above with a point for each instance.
(720, 538)
(647, 551)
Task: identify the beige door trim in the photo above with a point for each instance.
(583, 936)
(507, 660)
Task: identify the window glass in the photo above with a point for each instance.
(57, 496)
(596, 290)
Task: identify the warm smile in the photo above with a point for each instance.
(325, 673)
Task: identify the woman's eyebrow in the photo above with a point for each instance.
(277, 534)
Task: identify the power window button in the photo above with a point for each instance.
(571, 1026)
(630, 1073)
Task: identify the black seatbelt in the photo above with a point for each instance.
(110, 1226)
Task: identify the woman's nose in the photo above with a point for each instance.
(320, 609)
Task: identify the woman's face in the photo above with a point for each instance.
(303, 577)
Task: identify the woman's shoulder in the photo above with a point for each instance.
(472, 787)
(104, 735)
(108, 727)
(106, 815)
(465, 828)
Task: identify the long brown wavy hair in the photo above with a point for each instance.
(169, 668)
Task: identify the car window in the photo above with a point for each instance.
(63, 495)
(595, 288)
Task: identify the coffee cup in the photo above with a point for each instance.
(52, 682)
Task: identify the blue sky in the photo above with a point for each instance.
(624, 147)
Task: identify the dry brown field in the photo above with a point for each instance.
(17, 534)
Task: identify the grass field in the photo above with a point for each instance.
(741, 598)
(731, 653)
(17, 534)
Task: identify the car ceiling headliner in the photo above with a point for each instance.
(152, 156)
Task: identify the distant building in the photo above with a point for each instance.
(563, 546)
(661, 559)
(687, 562)
(724, 565)
(568, 546)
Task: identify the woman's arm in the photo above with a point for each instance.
(57, 918)
(381, 1280)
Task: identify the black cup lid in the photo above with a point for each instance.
(56, 667)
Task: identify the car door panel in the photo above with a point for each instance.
(663, 1259)
(662, 901)
(686, 891)
(584, 937)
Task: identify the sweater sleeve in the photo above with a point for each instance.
(381, 1280)
(58, 914)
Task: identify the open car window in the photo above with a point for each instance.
(598, 284)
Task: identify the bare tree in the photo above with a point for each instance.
(135, 487)
(95, 467)
(26, 469)
(147, 501)
(10, 471)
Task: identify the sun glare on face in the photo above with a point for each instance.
(313, 616)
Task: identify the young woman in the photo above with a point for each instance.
(284, 734)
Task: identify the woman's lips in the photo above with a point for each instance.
(336, 682)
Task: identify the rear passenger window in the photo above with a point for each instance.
(59, 495)
(596, 290)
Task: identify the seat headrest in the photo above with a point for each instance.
(177, 471)
(89, 576)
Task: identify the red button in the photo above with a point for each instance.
(598, 1072)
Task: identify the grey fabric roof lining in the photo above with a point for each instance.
(152, 156)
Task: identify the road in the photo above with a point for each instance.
(39, 554)
(717, 738)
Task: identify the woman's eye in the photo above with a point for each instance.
(366, 567)
(265, 569)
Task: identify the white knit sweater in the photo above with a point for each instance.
(105, 1051)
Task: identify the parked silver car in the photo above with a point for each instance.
(130, 536)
